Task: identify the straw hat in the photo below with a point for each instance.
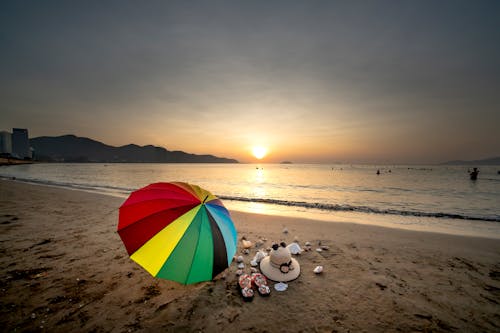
(279, 265)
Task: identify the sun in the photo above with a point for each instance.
(259, 152)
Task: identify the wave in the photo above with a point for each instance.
(104, 189)
(361, 209)
(124, 191)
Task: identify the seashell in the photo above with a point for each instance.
(307, 244)
(253, 263)
(281, 286)
(246, 244)
(246, 251)
(254, 270)
(285, 230)
(241, 265)
(319, 250)
(294, 248)
(318, 269)
(239, 272)
(239, 259)
(259, 256)
(325, 247)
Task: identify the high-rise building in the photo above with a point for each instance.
(5, 143)
(20, 143)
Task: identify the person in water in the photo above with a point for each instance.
(473, 174)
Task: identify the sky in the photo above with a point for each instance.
(312, 81)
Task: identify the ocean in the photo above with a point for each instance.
(423, 197)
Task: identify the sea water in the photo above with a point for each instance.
(433, 198)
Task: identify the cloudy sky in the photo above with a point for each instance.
(314, 81)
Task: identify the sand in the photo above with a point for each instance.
(64, 268)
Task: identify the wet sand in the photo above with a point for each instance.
(64, 268)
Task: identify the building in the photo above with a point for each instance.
(20, 143)
(5, 143)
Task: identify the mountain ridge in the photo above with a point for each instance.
(486, 161)
(71, 148)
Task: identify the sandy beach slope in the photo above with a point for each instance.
(64, 268)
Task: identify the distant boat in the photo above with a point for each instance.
(286, 162)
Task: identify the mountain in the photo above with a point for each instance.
(486, 161)
(70, 148)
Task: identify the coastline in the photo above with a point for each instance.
(407, 199)
(64, 268)
(13, 161)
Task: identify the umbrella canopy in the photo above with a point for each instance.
(177, 231)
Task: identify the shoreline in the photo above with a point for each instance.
(64, 268)
(331, 219)
(447, 225)
(5, 161)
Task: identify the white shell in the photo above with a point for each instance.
(285, 230)
(259, 256)
(281, 286)
(253, 263)
(294, 248)
(307, 244)
(239, 259)
(318, 269)
(241, 265)
(319, 250)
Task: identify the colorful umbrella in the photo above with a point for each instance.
(177, 231)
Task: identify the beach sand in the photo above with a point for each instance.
(64, 268)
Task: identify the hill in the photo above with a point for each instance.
(70, 148)
(486, 161)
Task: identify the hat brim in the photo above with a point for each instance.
(274, 274)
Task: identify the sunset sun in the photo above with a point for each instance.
(259, 152)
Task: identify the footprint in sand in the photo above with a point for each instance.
(495, 272)
(10, 219)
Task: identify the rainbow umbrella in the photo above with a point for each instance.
(177, 231)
